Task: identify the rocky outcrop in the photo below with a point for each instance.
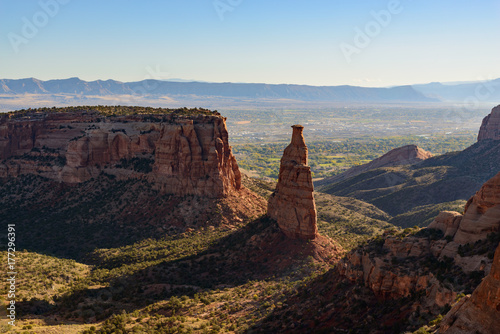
(182, 155)
(292, 203)
(418, 264)
(482, 213)
(490, 128)
(479, 313)
(389, 275)
(481, 217)
(435, 263)
(193, 156)
(406, 155)
(448, 222)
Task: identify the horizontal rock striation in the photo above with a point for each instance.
(195, 157)
(292, 203)
(182, 155)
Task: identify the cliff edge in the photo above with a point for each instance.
(490, 127)
(183, 152)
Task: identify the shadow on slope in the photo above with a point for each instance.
(397, 190)
(346, 220)
(72, 220)
(423, 215)
(371, 299)
(135, 276)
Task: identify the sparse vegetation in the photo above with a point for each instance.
(141, 165)
(119, 256)
(111, 111)
(328, 158)
(422, 216)
(398, 190)
(346, 220)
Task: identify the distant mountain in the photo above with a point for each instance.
(458, 92)
(227, 89)
(480, 91)
(63, 86)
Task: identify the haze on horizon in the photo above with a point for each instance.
(366, 43)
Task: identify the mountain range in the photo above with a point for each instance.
(470, 92)
(433, 92)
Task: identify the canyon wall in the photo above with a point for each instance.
(397, 266)
(480, 219)
(479, 313)
(490, 128)
(182, 155)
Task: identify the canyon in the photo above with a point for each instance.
(438, 262)
(105, 183)
(434, 180)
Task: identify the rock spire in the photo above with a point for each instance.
(292, 203)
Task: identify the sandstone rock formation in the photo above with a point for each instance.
(448, 222)
(481, 217)
(490, 128)
(182, 155)
(292, 203)
(388, 280)
(196, 157)
(395, 266)
(482, 213)
(479, 313)
(406, 155)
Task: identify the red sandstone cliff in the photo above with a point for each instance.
(180, 154)
(490, 128)
(481, 217)
(479, 313)
(292, 203)
(396, 268)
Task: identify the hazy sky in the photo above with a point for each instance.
(316, 42)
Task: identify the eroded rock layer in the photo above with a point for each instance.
(479, 313)
(481, 217)
(490, 128)
(182, 155)
(292, 203)
(415, 262)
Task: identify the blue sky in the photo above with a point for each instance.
(311, 42)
